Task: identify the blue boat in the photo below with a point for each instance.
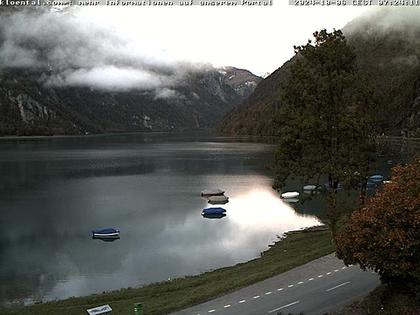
(106, 233)
(214, 216)
(212, 211)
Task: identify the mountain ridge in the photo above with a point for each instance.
(389, 59)
(28, 107)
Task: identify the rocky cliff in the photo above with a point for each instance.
(29, 107)
(62, 74)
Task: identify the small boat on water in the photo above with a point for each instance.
(376, 178)
(106, 233)
(218, 199)
(309, 187)
(212, 192)
(290, 195)
(213, 211)
(214, 216)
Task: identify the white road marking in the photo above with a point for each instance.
(290, 285)
(268, 293)
(328, 273)
(242, 301)
(320, 276)
(337, 286)
(300, 282)
(211, 311)
(280, 289)
(227, 305)
(284, 306)
(311, 279)
(256, 297)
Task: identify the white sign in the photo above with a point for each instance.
(99, 310)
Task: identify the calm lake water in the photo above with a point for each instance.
(53, 192)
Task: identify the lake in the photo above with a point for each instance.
(53, 192)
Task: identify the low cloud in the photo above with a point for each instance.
(166, 93)
(383, 20)
(109, 77)
(70, 51)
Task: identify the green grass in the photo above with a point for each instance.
(296, 249)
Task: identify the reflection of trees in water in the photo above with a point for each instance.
(316, 204)
(36, 263)
(401, 149)
(17, 287)
(27, 274)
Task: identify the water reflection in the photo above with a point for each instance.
(53, 193)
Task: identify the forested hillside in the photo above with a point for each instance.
(387, 46)
(28, 107)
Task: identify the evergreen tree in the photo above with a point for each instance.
(323, 120)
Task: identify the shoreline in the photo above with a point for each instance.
(295, 248)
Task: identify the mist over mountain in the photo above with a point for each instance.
(387, 44)
(61, 74)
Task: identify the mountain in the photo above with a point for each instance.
(388, 52)
(29, 107)
(66, 75)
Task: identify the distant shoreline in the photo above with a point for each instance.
(92, 135)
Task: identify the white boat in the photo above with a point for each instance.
(212, 192)
(290, 194)
(309, 187)
(218, 199)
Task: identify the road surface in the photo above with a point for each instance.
(318, 287)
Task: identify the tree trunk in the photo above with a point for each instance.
(333, 213)
(362, 195)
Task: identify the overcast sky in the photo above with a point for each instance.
(256, 38)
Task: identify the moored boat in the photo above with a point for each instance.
(290, 194)
(309, 187)
(214, 216)
(218, 199)
(376, 178)
(106, 233)
(213, 211)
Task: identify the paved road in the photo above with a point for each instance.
(320, 286)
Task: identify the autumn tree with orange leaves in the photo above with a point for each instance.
(385, 235)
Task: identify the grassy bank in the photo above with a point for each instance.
(296, 249)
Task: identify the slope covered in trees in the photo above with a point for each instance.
(388, 56)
